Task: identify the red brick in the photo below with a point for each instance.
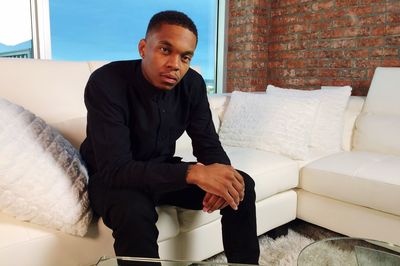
(299, 45)
(323, 5)
(313, 63)
(346, 32)
(317, 26)
(296, 64)
(393, 30)
(336, 82)
(331, 54)
(359, 53)
(393, 40)
(329, 73)
(372, 20)
(372, 1)
(335, 63)
(370, 42)
(367, 63)
(283, 20)
(311, 54)
(391, 63)
(378, 31)
(277, 47)
(384, 52)
(276, 64)
(346, 3)
(353, 73)
(342, 43)
(312, 82)
(295, 82)
(393, 18)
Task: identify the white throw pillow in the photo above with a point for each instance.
(328, 128)
(269, 122)
(42, 178)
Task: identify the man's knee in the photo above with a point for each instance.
(249, 183)
(129, 208)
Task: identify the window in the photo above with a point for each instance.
(107, 30)
(16, 29)
(110, 30)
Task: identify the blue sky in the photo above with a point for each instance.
(110, 30)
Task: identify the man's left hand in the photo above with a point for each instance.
(213, 202)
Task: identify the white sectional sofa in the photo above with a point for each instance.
(355, 192)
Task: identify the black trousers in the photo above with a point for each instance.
(132, 216)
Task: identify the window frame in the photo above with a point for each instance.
(41, 37)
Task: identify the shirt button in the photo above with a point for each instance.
(163, 110)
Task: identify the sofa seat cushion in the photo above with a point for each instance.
(35, 242)
(192, 219)
(364, 178)
(272, 173)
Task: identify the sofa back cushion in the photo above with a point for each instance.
(378, 126)
(184, 142)
(384, 92)
(353, 109)
(51, 89)
(377, 132)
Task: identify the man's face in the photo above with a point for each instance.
(166, 54)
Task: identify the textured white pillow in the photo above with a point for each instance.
(269, 122)
(42, 178)
(328, 128)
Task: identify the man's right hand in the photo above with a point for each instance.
(218, 179)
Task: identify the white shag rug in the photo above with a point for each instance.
(284, 251)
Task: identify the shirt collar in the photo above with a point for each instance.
(146, 87)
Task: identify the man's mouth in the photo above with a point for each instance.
(169, 78)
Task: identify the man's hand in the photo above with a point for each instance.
(213, 202)
(220, 180)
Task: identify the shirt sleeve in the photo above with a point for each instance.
(206, 145)
(109, 137)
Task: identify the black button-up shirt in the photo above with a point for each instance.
(132, 128)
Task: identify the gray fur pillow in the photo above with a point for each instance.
(42, 177)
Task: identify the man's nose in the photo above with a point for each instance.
(174, 62)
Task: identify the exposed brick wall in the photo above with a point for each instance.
(247, 44)
(313, 43)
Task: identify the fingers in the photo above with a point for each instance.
(238, 176)
(220, 180)
(213, 202)
(230, 200)
(206, 201)
(240, 188)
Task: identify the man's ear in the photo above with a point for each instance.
(141, 46)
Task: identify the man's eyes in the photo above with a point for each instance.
(164, 50)
(167, 51)
(186, 58)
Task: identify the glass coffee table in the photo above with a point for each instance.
(122, 261)
(349, 251)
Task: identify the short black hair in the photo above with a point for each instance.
(172, 17)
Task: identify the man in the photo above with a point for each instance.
(136, 112)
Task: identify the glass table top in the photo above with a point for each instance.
(349, 251)
(122, 261)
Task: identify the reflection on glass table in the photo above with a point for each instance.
(349, 251)
(128, 261)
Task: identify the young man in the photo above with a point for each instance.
(136, 112)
